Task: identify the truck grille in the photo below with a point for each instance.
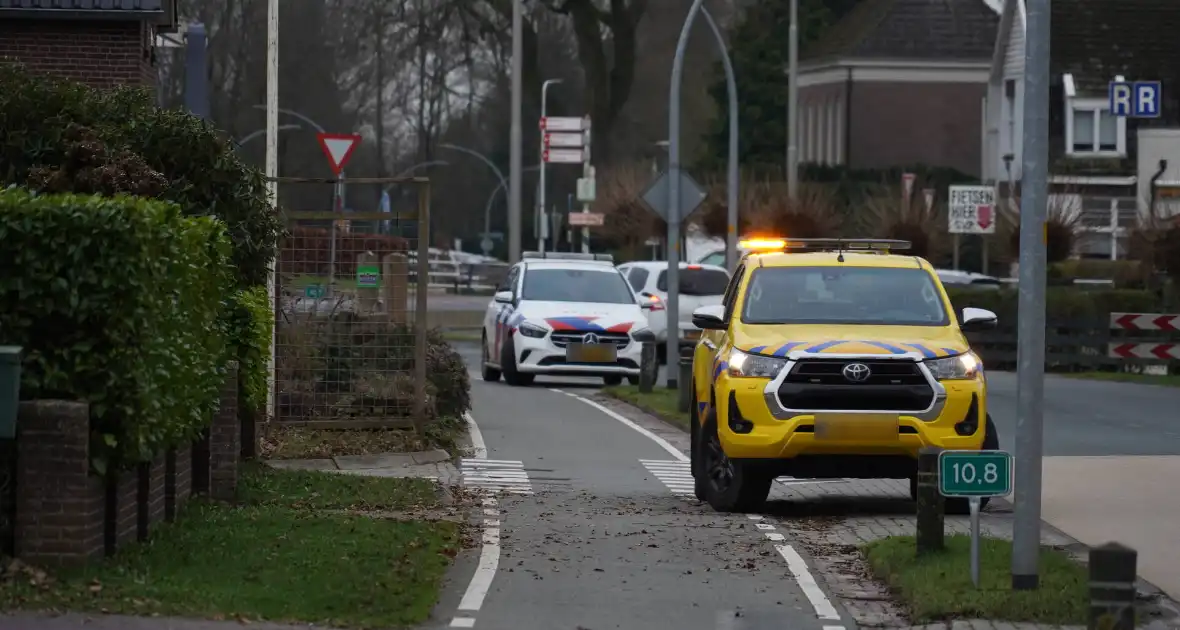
(820, 384)
(566, 337)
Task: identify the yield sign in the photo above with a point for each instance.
(338, 147)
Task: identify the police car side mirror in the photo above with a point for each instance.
(710, 317)
(977, 319)
(503, 297)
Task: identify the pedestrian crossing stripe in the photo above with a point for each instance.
(496, 476)
(675, 475)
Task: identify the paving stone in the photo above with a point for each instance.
(383, 460)
(302, 464)
(431, 457)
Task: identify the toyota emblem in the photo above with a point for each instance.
(857, 372)
(592, 339)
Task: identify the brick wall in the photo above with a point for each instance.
(100, 53)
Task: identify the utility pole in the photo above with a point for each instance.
(1030, 355)
(793, 103)
(272, 169)
(514, 139)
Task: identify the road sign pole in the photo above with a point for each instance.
(1030, 356)
(673, 306)
(974, 504)
(515, 143)
(587, 173)
(955, 251)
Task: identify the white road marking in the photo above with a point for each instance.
(489, 555)
(823, 607)
(489, 561)
(775, 536)
(664, 444)
(676, 475)
(833, 627)
(495, 476)
(478, 447)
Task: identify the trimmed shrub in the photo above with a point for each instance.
(251, 327)
(117, 301)
(52, 131)
(308, 251)
(1062, 304)
(764, 208)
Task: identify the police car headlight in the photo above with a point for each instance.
(532, 330)
(745, 365)
(956, 368)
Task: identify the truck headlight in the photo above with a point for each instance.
(745, 365)
(959, 367)
(532, 330)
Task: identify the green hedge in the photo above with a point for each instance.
(42, 118)
(251, 327)
(1063, 303)
(117, 301)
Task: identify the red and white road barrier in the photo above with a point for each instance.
(1145, 321)
(1161, 351)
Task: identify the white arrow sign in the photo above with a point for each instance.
(563, 140)
(561, 123)
(563, 156)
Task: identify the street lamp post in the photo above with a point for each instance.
(504, 183)
(515, 139)
(541, 213)
(731, 189)
(261, 132)
(793, 103)
(487, 210)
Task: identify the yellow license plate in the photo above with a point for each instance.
(591, 353)
(856, 427)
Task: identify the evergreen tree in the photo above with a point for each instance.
(758, 48)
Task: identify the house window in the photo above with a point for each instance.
(1091, 130)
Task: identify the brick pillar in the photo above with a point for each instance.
(225, 436)
(59, 505)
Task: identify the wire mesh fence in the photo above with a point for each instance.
(349, 350)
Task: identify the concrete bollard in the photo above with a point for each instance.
(1112, 587)
(648, 368)
(684, 382)
(931, 504)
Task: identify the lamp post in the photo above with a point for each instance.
(260, 132)
(514, 140)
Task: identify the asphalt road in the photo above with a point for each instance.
(604, 542)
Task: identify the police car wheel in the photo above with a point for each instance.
(730, 486)
(508, 366)
(490, 374)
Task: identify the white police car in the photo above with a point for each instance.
(564, 314)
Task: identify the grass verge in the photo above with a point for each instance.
(1171, 380)
(284, 442)
(661, 402)
(281, 555)
(938, 587)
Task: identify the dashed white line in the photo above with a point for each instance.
(664, 444)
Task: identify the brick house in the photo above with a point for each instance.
(1105, 170)
(898, 82)
(99, 43)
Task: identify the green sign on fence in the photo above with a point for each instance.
(974, 473)
(368, 276)
(313, 291)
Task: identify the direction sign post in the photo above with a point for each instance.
(566, 140)
(974, 475)
(971, 210)
(339, 149)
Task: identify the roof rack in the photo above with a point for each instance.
(607, 258)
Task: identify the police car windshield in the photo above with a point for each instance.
(576, 285)
(843, 295)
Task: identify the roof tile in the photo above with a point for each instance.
(138, 6)
(912, 29)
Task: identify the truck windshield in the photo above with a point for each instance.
(843, 295)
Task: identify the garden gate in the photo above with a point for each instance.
(350, 304)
